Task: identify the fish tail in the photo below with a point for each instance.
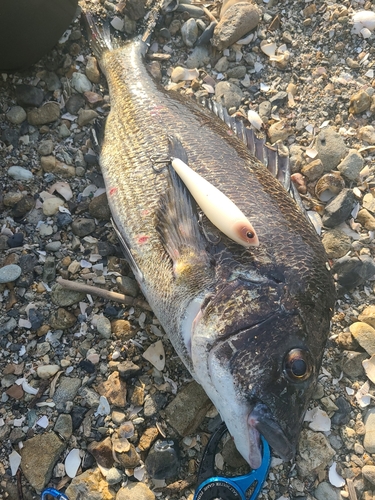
(99, 37)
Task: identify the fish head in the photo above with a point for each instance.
(257, 354)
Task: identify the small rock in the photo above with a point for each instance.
(45, 147)
(85, 116)
(228, 94)
(339, 209)
(99, 207)
(162, 461)
(325, 491)
(129, 459)
(66, 391)
(53, 246)
(154, 403)
(50, 164)
(351, 165)
(237, 72)
(16, 115)
(114, 476)
(127, 285)
(188, 409)
(16, 240)
(366, 219)
(368, 472)
(222, 65)
(342, 415)
(128, 370)
(75, 103)
(189, 32)
(367, 134)
(103, 326)
(135, 491)
(63, 131)
(369, 439)
(279, 131)
(48, 113)
(63, 297)
(29, 96)
(352, 363)
(122, 329)
(279, 99)
(236, 22)
(198, 58)
(47, 371)
(92, 70)
(39, 456)
(368, 316)
(315, 453)
(352, 271)
(364, 335)
(51, 205)
(265, 109)
(52, 81)
(83, 227)
(359, 102)
(147, 438)
(91, 486)
(36, 319)
(64, 426)
(118, 417)
(336, 243)
(369, 202)
(114, 389)
(20, 173)
(62, 319)
(331, 148)
(80, 82)
(10, 273)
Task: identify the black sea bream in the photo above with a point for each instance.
(250, 323)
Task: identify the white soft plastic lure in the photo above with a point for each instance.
(217, 207)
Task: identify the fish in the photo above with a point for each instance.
(249, 323)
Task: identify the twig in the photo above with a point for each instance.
(351, 489)
(19, 485)
(43, 386)
(100, 292)
(209, 14)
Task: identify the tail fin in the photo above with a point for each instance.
(99, 38)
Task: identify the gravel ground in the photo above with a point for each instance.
(81, 388)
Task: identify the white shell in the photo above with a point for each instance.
(366, 33)
(62, 188)
(72, 463)
(364, 19)
(139, 472)
(311, 153)
(103, 408)
(268, 48)
(118, 23)
(43, 422)
(349, 391)
(334, 477)
(362, 396)
(255, 120)
(155, 355)
(369, 366)
(14, 462)
(316, 221)
(319, 420)
(183, 74)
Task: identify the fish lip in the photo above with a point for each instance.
(261, 419)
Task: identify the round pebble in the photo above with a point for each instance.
(20, 173)
(10, 273)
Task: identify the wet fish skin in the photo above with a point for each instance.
(232, 314)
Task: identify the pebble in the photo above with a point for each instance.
(47, 371)
(222, 65)
(342, 415)
(135, 491)
(336, 243)
(331, 148)
(16, 115)
(236, 22)
(51, 205)
(189, 32)
(20, 173)
(48, 113)
(99, 207)
(154, 403)
(92, 70)
(39, 456)
(8, 327)
(29, 96)
(10, 273)
(359, 102)
(128, 369)
(369, 202)
(127, 286)
(114, 476)
(53, 246)
(367, 134)
(118, 417)
(63, 219)
(114, 389)
(51, 80)
(325, 491)
(351, 165)
(63, 297)
(228, 94)
(188, 409)
(85, 116)
(16, 240)
(315, 453)
(364, 335)
(368, 316)
(89, 485)
(80, 82)
(162, 461)
(368, 472)
(36, 319)
(82, 227)
(103, 325)
(51, 164)
(74, 104)
(62, 319)
(45, 147)
(352, 272)
(66, 391)
(352, 363)
(369, 439)
(279, 131)
(64, 426)
(366, 219)
(198, 58)
(147, 438)
(63, 131)
(238, 72)
(339, 209)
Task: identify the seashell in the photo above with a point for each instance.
(268, 48)
(72, 463)
(183, 74)
(255, 120)
(63, 189)
(363, 19)
(329, 186)
(334, 477)
(369, 366)
(155, 355)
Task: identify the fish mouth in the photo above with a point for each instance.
(261, 421)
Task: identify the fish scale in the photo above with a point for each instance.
(238, 318)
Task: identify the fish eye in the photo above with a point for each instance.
(249, 235)
(298, 365)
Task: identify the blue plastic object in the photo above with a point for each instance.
(54, 494)
(230, 488)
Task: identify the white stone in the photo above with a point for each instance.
(47, 371)
(155, 355)
(20, 173)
